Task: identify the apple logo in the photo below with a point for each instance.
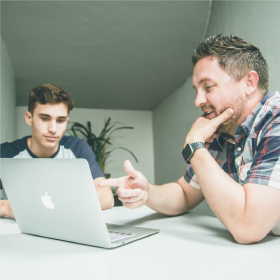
(47, 201)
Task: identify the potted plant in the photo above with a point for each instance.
(98, 143)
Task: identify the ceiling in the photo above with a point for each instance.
(105, 54)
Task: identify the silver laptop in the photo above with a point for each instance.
(56, 198)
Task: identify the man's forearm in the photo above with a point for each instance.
(168, 199)
(225, 197)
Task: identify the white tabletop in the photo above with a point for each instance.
(190, 246)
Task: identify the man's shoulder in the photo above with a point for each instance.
(12, 149)
(269, 111)
(68, 141)
(271, 103)
(75, 144)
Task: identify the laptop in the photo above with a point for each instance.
(56, 198)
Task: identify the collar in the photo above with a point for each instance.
(246, 126)
(32, 155)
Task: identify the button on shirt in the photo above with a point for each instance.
(253, 155)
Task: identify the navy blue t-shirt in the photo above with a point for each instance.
(69, 147)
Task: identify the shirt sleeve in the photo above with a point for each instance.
(3, 152)
(190, 178)
(84, 151)
(265, 167)
(3, 155)
(88, 154)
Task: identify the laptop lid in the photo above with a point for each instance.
(56, 198)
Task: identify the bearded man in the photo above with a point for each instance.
(233, 148)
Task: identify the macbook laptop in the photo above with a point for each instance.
(56, 198)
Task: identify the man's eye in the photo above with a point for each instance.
(208, 88)
(61, 121)
(43, 119)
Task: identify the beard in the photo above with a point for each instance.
(238, 104)
(239, 108)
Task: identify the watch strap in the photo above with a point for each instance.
(197, 145)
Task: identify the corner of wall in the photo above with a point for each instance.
(208, 20)
(7, 97)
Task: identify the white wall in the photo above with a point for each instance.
(139, 140)
(171, 121)
(256, 22)
(7, 99)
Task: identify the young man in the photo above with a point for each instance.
(48, 110)
(233, 148)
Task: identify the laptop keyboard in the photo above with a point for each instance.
(116, 235)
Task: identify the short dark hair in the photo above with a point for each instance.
(235, 56)
(48, 93)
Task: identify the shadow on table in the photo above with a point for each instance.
(29, 244)
(178, 231)
(150, 217)
(209, 230)
(210, 227)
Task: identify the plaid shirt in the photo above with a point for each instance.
(254, 155)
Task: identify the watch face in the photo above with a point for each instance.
(187, 152)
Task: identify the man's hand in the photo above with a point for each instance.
(205, 130)
(132, 189)
(5, 209)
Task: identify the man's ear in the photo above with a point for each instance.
(251, 82)
(28, 118)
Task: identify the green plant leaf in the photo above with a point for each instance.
(97, 144)
(123, 127)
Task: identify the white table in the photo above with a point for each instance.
(190, 246)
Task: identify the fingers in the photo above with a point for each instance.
(109, 183)
(133, 205)
(133, 198)
(211, 139)
(132, 173)
(222, 117)
(128, 168)
(142, 201)
(124, 193)
(215, 135)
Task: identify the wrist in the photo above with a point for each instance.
(192, 139)
(197, 156)
(149, 192)
(190, 149)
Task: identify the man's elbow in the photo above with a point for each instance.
(247, 235)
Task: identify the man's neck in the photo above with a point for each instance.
(250, 107)
(38, 150)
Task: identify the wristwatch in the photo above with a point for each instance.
(189, 150)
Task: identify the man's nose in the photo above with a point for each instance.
(200, 99)
(52, 126)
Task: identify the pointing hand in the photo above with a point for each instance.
(132, 189)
